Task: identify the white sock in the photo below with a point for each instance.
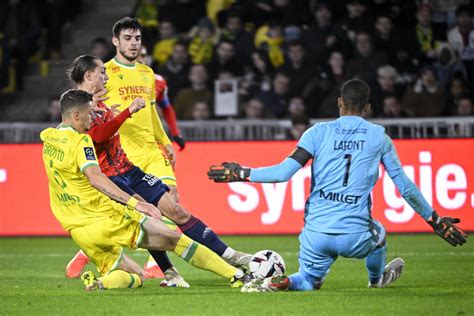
(228, 253)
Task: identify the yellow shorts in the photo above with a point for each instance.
(154, 161)
(104, 240)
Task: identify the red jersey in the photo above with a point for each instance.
(104, 132)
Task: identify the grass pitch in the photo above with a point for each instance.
(438, 280)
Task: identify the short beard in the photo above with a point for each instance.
(130, 59)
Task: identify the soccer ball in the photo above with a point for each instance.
(266, 263)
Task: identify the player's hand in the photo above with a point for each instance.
(98, 96)
(180, 141)
(228, 172)
(171, 155)
(445, 228)
(115, 110)
(148, 209)
(136, 105)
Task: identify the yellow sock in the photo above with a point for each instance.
(202, 257)
(119, 279)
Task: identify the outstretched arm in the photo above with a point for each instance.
(232, 171)
(443, 226)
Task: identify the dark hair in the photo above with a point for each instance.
(355, 93)
(297, 42)
(79, 67)
(73, 98)
(463, 9)
(125, 24)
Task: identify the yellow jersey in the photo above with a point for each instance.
(74, 201)
(125, 84)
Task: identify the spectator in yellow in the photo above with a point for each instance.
(163, 49)
(202, 43)
(270, 38)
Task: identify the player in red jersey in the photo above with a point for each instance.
(163, 102)
(88, 73)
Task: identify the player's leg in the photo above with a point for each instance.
(128, 275)
(200, 232)
(158, 164)
(159, 237)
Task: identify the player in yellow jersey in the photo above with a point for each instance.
(142, 133)
(81, 199)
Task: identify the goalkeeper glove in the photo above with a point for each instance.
(228, 172)
(445, 228)
(180, 141)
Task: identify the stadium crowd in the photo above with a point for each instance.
(291, 57)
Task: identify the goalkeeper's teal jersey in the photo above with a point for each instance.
(347, 153)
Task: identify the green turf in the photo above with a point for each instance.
(437, 280)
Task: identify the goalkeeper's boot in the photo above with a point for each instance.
(272, 284)
(237, 282)
(152, 270)
(392, 272)
(174, 279)
(239, 260)
(91, 282)
(76, 265)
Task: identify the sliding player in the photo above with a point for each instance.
(346, 154)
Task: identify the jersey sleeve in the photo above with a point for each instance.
(309, 140)
(407, 188)
(85, 153)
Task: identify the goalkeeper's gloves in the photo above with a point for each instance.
(180, 141)
(445, 228)
(228, 172)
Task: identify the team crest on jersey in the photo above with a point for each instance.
(89, 152)
(145, 78)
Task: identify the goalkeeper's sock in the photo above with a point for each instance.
(375, 264)
(202, 257)
(200, 232)
(119, 279)
(161, 258)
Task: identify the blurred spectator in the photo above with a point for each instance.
(185, 14)
(392, 107)
(243, 40)
(224, 59)
(201, 111)
(163, 49)
(298, 68)
(423, 40)
(388, 39)
(461, 39)
(176, 69)
(366, 61)
(448, 66)
(444, 11)
(464, 107)
(323, 35)
(258, 77)
(146, 11)
(457, 90)
(101, 48)
(255, 109)
(198, 92)
(299, 124)
(296, 107)
(425, 98)
(270, 39)
(202, 45)
(327, 82)
(53, 114)
(276, 99)
(357, 20)
(386, 85)
(144, 57)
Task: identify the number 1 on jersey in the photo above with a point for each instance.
(348, 168)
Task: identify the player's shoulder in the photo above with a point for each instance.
(144, 68)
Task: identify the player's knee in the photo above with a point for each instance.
(174, 193)
(170, 239)
(179, 214)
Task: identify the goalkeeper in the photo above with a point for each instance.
(345, 156)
